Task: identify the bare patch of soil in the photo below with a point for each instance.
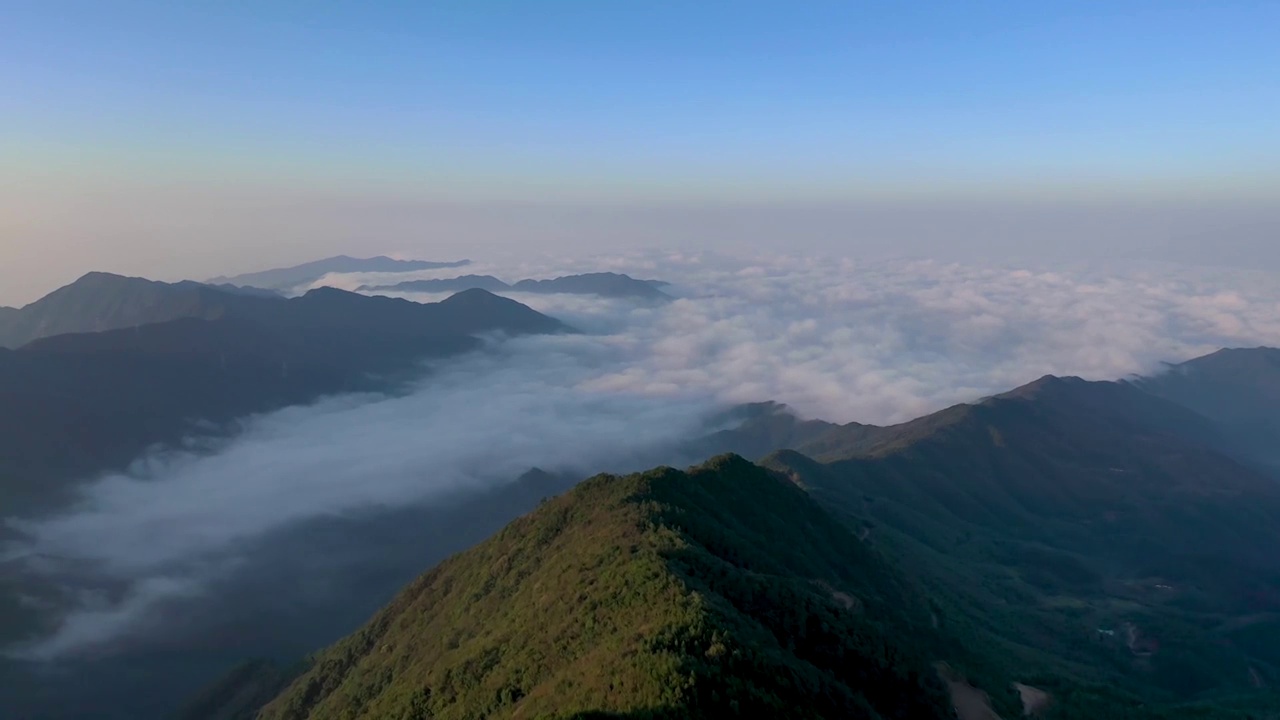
(1034, 700)
(969, 702)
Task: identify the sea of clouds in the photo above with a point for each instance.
(837, 339)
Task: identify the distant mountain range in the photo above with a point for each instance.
(1077, 549)
(82, 402)
(604, 284)
(102, 301)
(292, 277)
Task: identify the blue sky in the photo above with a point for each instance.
(743, 98)
(199, 138)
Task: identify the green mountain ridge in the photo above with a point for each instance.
(1086, 539)
(1092, 540)
(720, 591)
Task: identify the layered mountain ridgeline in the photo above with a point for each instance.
(291, 277)
(101, 301)
(457, 284)
(245, 290)
(1238, 389)
(1090, 528)
(81, 403)
(604, 284)
(1233, 399)
(723, 591)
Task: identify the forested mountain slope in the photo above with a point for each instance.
(721, 591)
(1091, 526)
(76, 404)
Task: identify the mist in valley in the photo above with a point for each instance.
(289, 534)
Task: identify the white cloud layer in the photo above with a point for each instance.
(836, 339)
(888, 341)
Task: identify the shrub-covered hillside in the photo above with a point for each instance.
(721, 591)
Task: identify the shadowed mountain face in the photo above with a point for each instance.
(1090, 526)
(603, 284)
(82, 403)
(291, 277)
(1238, 389)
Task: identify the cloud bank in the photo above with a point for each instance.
(838, 339)
(887, 341)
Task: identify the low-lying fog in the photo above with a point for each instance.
(328, 506)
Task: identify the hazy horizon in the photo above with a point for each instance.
(186, 142)
(226, 238)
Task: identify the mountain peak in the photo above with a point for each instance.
(714, 592)
(101, 301)
(1043, 384)
(477, 295)
(100, 276)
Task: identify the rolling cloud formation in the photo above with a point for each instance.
(837, 339)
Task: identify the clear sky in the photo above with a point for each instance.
(110, 109)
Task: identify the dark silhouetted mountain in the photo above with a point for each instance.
(718, 592)
(603, 284)
(465, 282)
(77, 404)
(1238, 389)
(291, 277)
(102, 301)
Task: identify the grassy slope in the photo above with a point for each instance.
(718, 592)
